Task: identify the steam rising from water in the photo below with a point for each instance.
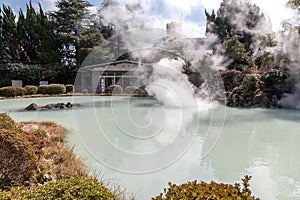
(168, 83)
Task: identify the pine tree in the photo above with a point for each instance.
(70, 25)
(48, 48)
(107, 30)
(1, 41)
(233, 25)
(10, 36)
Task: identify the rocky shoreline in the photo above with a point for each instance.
(254, 89)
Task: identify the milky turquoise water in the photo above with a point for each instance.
(140, 145)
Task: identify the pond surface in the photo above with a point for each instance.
(141, 145)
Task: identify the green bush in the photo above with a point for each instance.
(56, 89)
(52, 89)
(7, 123)
(275, 76)
(194, 190)
(69, 88)
(115, 89)
(31, 89)
(43, 89)
(69, 188)
(85, 91)
(250, 84)
(130, 89)
(12, 91)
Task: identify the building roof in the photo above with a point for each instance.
(114, 63)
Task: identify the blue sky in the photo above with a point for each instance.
(169, 10)
(189, 12)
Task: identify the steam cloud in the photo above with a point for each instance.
(168, 83)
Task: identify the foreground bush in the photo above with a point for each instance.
(115, 89)
(31, 89)
(69, 88)
(31, 156)
(12, 91)
(7, 123)
(70, 188)
(212, 191)
(17, 154)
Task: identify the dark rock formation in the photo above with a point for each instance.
(32, 106)
(58, 106)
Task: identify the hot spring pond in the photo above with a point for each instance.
(141, 145)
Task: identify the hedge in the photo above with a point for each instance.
(69, 88)
(115, 89)
(56, 89)
(31, 89)
(52, 89)
(130, 90)
(43, 89)
(12, 91)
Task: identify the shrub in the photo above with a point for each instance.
(17, 159)
(194, 190)
(69, 88)
(69, 188)
(85, 91)
(7, 123)
(31, 89)
(274, 76)
(141, 91)
(56, 89)
(130, 89)
(250, 84)
(115, 89)
(52, 89)
(12, 91)
(43, 89)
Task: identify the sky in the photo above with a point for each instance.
(189, 12)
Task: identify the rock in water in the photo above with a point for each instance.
(32, 106)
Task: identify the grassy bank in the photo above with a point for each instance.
(35, 164)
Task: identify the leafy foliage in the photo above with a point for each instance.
(31, 89)
(69, 188)
(12, 91)
(198, 191)
(232, 24)
(17, 157)
(56, 89)
(130, 89)
(115, 89)
(69, 88)
(250, 84)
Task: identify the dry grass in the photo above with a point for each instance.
(56, 161)
(51, 160)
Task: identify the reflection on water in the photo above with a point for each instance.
(262, 143)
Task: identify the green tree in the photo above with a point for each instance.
(48, 48)
(9, 36)
(107, 29)
(70, 24)
(233, 24)
(1, 41)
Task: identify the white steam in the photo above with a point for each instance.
(170, 86)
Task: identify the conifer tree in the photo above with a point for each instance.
(9, 36)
